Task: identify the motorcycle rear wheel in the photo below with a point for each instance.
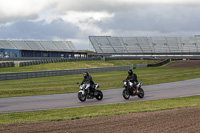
(100, 95)
(141, 93)
(81, 97)
(126, 94)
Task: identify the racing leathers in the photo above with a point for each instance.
(133, 78)
(88, 79)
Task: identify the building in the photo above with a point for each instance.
(30, 48)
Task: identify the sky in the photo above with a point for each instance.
(76, 20)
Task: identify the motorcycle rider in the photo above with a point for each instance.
(88, 79)
(132, 77)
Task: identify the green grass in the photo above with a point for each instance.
(75, 65)
(106, 80)
(99, 110)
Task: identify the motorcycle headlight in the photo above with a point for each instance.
(124, 83)
(81, 86)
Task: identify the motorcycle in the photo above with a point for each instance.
(129, 90)
(86, 93)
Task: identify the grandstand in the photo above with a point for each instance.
(146, 45)
(28, 48)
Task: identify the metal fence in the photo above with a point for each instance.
(127, 58)
(38, 74)
(7, 64)
(141, 66)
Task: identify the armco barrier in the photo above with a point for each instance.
(38, 74)
(125, 58)
(140, 65)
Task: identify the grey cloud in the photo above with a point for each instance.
(128, 18)
(38, 30)
(61, 6)
(12, 11)
(5, 19)
(164, 19)
(93, 5)
(115, 6)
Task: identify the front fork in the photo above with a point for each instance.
(82, 91)
(128, 89)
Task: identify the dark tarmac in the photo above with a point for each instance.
(58, 101)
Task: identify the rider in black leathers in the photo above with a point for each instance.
(132, 77)
(88, 79)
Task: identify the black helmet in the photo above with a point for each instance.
(85, 74)
(130, 71)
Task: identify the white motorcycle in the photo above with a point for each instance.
(86, 92)
(129, 90)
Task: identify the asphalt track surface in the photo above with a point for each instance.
(58, 101)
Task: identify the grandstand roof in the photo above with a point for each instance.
(145, 45)
(65, 46)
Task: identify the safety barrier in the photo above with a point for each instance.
(28, 63)
(153, 65)
(127, 58)
(7, 64)
(38, 74)
(141, 66)
(159, 64)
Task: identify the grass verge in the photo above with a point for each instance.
(106, 80)
(100, 110)
(76, 65)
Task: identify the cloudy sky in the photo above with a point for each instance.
(75, 20)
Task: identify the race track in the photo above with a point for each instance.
(57, 101)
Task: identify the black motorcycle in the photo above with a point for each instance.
(87, 93)
(129, 90)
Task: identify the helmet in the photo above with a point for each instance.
(130, 71)
(85, 74)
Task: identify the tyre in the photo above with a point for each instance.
(81, 97)
(126, 94)
(100, 95)
(141, 93)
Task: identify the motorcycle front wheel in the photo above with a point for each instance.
(81, 97)
(126, 94)
(141, 93)
(100, 95)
